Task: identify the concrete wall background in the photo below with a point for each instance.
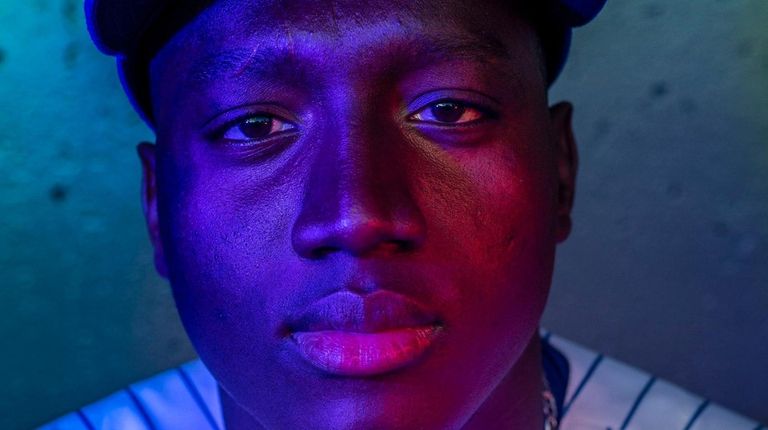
(667, 267)
(668, 264)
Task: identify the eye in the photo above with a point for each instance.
(448, 112)
(256, 127)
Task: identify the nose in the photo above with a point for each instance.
(357, 198)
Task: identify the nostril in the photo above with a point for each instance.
(387, 247)
(402, 245)
(322, 251)
(363, 231)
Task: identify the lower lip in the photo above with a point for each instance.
(364, 354)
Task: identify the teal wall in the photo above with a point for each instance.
(668, 264)
(81, 310)
(667, 267)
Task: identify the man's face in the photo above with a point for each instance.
(357, 207)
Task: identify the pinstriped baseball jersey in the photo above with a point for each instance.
(601, 394)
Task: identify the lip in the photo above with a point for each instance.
(379, 311)
(364, 354)
(353, 335)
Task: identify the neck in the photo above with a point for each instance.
(235, 416)
(515, 403)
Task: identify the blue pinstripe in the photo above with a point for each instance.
(198, 398)
(638, 400)
(140, 407)
(85, 420)
(583, 383)
(696, 414)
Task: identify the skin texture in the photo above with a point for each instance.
(360, 189)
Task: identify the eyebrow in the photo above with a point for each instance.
(285, 62)
(259, 62)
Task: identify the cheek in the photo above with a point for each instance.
(509, 251)
(491, 236)
(216, 224)
(514, 221)
(223, 244)
(504, 201)
(510, 242)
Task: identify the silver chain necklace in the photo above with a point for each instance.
(549, 407)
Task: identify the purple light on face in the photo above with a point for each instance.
(359, 221)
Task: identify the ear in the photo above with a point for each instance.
(561, 116)
(147, 155)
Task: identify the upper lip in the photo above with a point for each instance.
(378, 311)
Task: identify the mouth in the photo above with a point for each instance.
(351, 335)
(364, 354)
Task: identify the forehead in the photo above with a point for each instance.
(309, 41)
(245, 28)
(333, 17)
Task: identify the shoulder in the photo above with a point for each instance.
(605, 393)
(185, 397)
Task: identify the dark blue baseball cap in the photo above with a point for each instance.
(134, 30)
